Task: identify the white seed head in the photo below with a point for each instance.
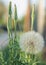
(31, 42)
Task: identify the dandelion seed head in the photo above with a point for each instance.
(31, 42)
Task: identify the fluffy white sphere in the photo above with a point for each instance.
(31, 42)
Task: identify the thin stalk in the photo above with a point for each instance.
(15, 19)
(32, 17)
(9, 24)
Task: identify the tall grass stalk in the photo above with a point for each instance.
(15, 19)
(32, 23)
(9, 24)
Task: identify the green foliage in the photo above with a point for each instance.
(1, 58)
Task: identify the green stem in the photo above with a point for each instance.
(32, 17)
(15, 19)
(9, 24)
